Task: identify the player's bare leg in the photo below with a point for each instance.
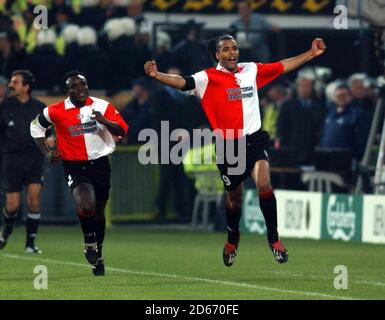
(268, 205)
(233, 209)
(12, 206)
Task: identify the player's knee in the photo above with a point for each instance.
(34, 205)
(86, 210)
(10, 211)
(263, 185)
(12, 207)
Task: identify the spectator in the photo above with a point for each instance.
(59, 15)
(120, 33)
(45, 55)
(340, 130)
(69, 35)
(190, 55)
(142, 34)
(12, 54)
(117, 8)
(23, 25)
(142, 45)
(91, 60)
(162, 50)
(62, 17)
(358, 84)
(323, 76)
(330, 90)
(254, 29)
(91, 14)
(138, 112)
(135, 12)
(276, 95)
(300, 121)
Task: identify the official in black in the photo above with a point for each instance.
(22, 160)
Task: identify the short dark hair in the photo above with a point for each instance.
(28, 77)
(213, 44)
(70, 74)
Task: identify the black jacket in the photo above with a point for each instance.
(299, 129)
(15, 120)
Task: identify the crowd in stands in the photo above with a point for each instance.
(109, 40)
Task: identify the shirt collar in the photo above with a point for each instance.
(220, 68)
(69, 105)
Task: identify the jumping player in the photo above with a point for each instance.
(229, 97)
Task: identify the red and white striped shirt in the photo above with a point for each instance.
(80, 137)
(230, 100)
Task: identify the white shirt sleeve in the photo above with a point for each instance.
(201, 81)
(36, 129)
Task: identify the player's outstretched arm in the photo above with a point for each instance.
(318, 47)
(172, 80)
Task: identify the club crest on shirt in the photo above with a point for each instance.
(238, 81)
(79, 116)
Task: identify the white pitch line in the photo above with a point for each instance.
(197, 279)
(318, 277)
(372, 283)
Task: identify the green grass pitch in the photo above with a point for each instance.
(164, 264)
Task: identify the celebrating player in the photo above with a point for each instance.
(85, 128)
(229, 96)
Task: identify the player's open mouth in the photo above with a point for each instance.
(232, 60)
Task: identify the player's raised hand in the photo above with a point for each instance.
(96, 115)
(318, 47)
(151, 69)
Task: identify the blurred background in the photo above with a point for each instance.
(325, 120)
